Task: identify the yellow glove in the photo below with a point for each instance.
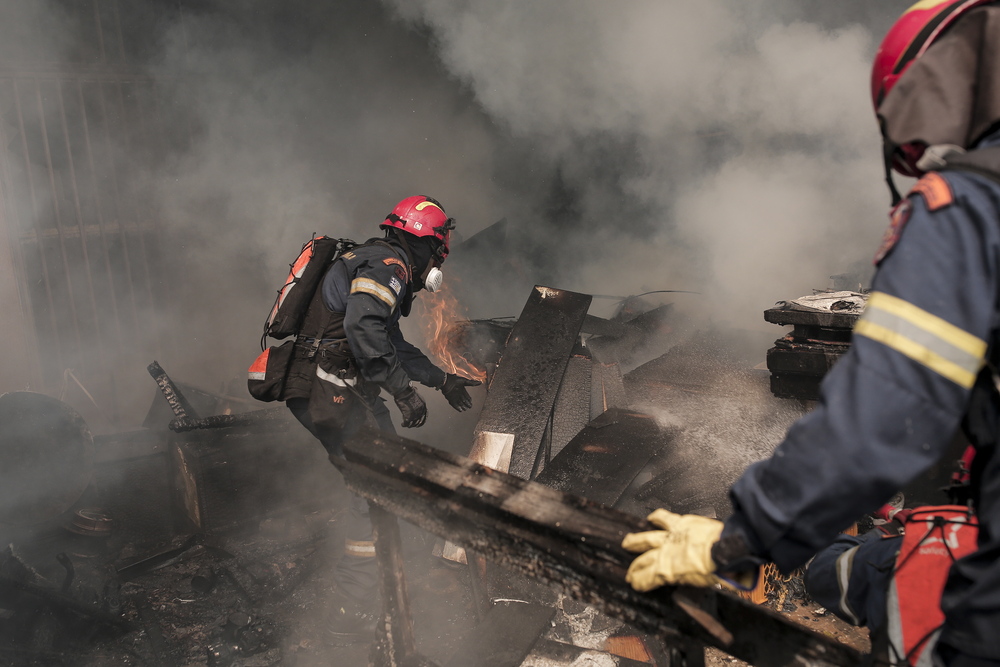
(681, 553)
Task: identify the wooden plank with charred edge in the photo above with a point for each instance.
(479, 584)
(566, 653)
(827, 320)
(571, 411)
(394, 644)
(489, 490)
(504, 638)
(531, 368)
(603, 459)
(566, 541)
(171, 392)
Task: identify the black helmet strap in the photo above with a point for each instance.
(888, 152)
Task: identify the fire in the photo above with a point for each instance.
(440, 310)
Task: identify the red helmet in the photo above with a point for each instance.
(910, 36)
(422, 216)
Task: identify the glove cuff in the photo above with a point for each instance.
(404, 392)
(732, 554)
(436, 379)
(396, 382)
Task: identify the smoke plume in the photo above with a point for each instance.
(712, 146)
(723, 147)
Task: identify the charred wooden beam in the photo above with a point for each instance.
(569, 542)
(566, 653)
(253, 419)
(524, 389)
(180, 405)
(161, 559)
(479, 584)
(571, 411)
(394, 644)
(504, 638)
(603, 459)
(63, 602)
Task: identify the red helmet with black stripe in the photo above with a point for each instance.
(909, 37)
(422, 216)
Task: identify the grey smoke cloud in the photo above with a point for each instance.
(749, 141)
(709, 146)
(721, 146)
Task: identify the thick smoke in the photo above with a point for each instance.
(713, 146)
(306, 120)
(716, 146)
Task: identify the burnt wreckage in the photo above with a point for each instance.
(208, 536)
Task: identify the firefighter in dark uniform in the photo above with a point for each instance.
(355, 350)
(924, 354)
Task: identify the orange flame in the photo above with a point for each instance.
(440, 310)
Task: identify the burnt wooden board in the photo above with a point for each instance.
(504, 638)
(524, 388)
(795, 385)
(607, 389)
(570, 543)
(826, 319)
(812, 360)
(604, 458)
(572, 407)
(567, 653)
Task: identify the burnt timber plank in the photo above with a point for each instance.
(504, 638)
(804, 359)
(266, 419)
(171, 392)
(607, 388)
(566, 541)
(571, 411)
(825, 319)
(566, 653)
(394, 644)
(604, 458)
(795, 385)
(524, 388)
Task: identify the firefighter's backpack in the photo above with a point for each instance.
(266, 376)
(935, 538)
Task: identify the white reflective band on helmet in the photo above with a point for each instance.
(334, 379)
(927, 339)
(369, 286)
(434, 279)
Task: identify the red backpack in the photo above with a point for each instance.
(935, 538)
(303, 279)
(266, 376)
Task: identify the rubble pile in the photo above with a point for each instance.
(210, 536)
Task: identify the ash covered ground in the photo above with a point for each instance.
(262, 594)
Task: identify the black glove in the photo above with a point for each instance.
(412, 406)
(454, 390)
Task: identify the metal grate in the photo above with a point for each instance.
(75, 138)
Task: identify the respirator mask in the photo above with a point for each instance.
(433, 276)
(433, 279)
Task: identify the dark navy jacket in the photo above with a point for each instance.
(370, 285)
(890, 406)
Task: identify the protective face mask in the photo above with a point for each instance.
(434, 279)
